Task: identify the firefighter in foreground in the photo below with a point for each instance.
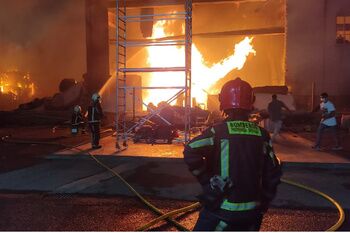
(95, 115)
(235, 164)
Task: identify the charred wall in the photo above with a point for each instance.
(97, 44)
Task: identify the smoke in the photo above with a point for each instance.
(45, 38)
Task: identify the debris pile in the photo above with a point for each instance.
(49, 110)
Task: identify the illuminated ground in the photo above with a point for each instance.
(102, 202)
(289, 148)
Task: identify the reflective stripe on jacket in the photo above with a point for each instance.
(242, 151)
(77, 119)
(95, 113)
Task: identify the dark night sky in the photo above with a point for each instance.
(44, 37)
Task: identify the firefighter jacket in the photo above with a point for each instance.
(95, 113)
(77, 119)
(242, 151)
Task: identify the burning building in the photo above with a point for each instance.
(302, 45)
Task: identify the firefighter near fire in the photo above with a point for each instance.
(235, 164)
(95, 114)
(77, 122)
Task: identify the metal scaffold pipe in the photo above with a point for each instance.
(122, 19)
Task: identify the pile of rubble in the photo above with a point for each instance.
(49, 110)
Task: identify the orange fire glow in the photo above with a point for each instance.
(13, 83)
(203, 77)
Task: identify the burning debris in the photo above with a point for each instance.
(15, 87)
(70, 93)
(54, 109)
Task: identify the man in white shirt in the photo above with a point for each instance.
(328, 122)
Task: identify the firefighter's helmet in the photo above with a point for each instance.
(77, 109)
(236, 94)
(96, 97)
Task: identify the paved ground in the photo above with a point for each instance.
(162, 174)
(42, 212)
(290, 148)
(166, 178)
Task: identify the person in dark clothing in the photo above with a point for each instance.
(95, 114)
(77, 121)
(235, 164)
(275, 114)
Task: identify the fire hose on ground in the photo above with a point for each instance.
(168, 216)
(148, 204)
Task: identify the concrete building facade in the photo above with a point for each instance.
(313, 54)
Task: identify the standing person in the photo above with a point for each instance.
(77, 121)
(275, 113)
(235, 164)
(95, 115)
(328, 122)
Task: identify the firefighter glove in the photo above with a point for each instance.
(215, 192)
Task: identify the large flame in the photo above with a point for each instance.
(203, 77)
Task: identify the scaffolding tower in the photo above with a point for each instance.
(124, 130)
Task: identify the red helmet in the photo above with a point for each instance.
(236, 94)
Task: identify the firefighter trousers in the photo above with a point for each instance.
(95, 134)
